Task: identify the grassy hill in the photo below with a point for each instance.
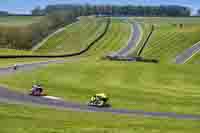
(117, 35)
(169, 40)
(76, 28)
(75, 37)
(116, 38)
(171, 36)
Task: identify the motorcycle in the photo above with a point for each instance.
(99, 100)
(37, 91)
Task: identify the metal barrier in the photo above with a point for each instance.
(146, 41)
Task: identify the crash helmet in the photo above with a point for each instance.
(102, 95)
(38, 84)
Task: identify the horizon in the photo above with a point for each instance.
(18, 6)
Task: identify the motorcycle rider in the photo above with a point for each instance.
(15, 66)
(36, 89)
(98, 99)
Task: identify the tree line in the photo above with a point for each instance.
(25, 37)
(4, 13)
(56, 16)
(114, 10)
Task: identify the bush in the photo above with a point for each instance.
(26, 37)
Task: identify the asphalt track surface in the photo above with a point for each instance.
(7, 96)
(31, 66)
(187, 54)
(133, 41)
(13, 97)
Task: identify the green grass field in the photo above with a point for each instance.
(24, 119)
(75, 38)
(169, 40)
(139, 86)
(18, 20)
(149, 87)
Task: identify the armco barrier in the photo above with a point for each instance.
(63, 55)
(146, 41)
(131, 59)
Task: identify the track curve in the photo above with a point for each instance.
(134, 39)
(15, 97)
(187, 54)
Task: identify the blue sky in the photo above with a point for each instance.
(24, 6)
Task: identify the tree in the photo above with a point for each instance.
(3, 13)
(198, 12)
(37, 11)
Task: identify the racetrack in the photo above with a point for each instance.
(8, 96)
(133, 41)
(187, 54)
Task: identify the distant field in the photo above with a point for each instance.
(169, 20)
(75, 37)
(18, 20)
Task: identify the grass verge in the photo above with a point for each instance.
(23, 119)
